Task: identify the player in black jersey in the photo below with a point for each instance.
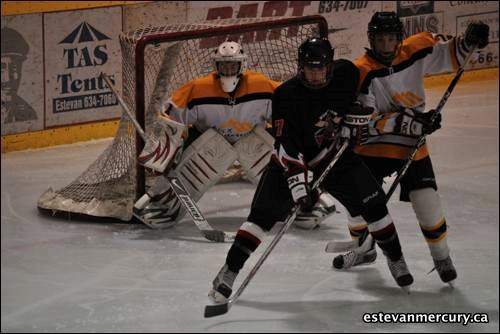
(309, 125)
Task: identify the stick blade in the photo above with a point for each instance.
(218, 236)
(215, 310)
(341, 246)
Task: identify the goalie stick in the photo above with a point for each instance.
(176, 184)
(215, 310)
(345, 246)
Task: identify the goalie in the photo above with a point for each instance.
(206, 125)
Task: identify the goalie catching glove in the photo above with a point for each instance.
(163, 144)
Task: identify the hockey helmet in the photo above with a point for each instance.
(385, 23)
(315, 54)
(230, 62)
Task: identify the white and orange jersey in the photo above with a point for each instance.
(387, 89)
(203, 104)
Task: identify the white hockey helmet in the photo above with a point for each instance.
(230, 62)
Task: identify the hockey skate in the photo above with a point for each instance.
(400, 272)
(222, 285)
(322, 209)
(365, 254)
(446, 270)
(156, 214)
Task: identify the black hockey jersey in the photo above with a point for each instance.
(296, 113)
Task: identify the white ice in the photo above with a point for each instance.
(66, 276)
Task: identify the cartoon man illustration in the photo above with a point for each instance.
(14, 51)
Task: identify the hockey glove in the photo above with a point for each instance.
(477, 33)
(415, 124)
(302, 194)
(163, 146)
(355, 123)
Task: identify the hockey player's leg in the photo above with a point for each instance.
(384, 232)
(159, 208)
(427, 206)
(365, 253)
(201, 165)
(246, 242)
(271, 203)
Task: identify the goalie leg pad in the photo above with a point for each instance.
(201, 165)
(254, 152)
(204, 162)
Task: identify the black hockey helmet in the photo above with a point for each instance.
(384, 22)
(315, 53)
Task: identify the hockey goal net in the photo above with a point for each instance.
(156, 61)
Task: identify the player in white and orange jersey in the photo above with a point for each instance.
(391, 83)
(227, 112)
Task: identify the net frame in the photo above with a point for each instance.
(137, 45)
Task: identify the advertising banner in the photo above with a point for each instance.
(80, 46)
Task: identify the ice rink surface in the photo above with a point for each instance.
(66, 276)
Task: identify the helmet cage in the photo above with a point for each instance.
(229, 62)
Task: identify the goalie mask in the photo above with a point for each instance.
(229, 62)
(385, 33)
(315, 62)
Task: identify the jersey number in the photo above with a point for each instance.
(278, 125)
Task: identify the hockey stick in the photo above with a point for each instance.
(344, 246)
(421, 139)
(176, 184)
(215, 310)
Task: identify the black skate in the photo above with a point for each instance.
(400, 272)
(222, 285)
(446, 270)
(366, 253)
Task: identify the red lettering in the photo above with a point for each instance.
(248, 10)
(215, 14)
(272, 8)
(298, 10)
(220, 13)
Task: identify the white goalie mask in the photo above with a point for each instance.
(229, 62)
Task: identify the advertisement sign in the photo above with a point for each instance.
(82, 45)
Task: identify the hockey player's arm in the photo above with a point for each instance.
(406, 122)
(287, 145)
(165, 138)
(287, 151)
